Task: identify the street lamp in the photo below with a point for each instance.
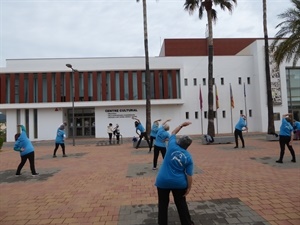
(72, 96)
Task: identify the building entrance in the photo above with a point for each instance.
(84, 122)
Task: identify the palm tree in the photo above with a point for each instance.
(148, 83)
(271, 127)
(288, 48)
(201, 5)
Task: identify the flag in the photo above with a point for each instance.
(217, 97)
(244, 90)
(200, 98)
(231, 98)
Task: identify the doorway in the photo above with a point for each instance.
(84, 122)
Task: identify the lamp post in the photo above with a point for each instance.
(72, 96)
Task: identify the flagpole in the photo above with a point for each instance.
(231, 99)
(217, 106)
(245, 100)
(201, 107)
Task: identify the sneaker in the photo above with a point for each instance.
(293, 160)
(236, 147)
(65, 155)
(35, 174)
(154, 168)
(279, 161)
(18, 175)
(54, 156)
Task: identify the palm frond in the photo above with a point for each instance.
(288, 48)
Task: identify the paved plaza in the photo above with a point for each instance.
(99, 184)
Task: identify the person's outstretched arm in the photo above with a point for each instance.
(135, 118)
(177, 129)
(166, 121)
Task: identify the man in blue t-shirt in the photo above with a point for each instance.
(175, 175)
(26, 149)
(238, 132)
(286, 137)
(160, 142)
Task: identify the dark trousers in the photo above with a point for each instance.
(144, 134)
(180, 202)
(151, 142)
(62, 147)
(238, 133)
(110, 137)
(285, 140)
(158, 149)
(30, 157)
(118, 138)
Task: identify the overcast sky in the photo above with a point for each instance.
(112, 28)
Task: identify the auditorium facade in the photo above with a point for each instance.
(39, 92)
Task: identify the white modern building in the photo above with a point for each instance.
(38, 92)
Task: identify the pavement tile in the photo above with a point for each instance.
(114, 185)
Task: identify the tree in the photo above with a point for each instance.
(201, 5)
(148, 83)
(271, 127)
(287, 40)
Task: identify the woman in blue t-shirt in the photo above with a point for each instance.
(141, 131)
(238, 132)
(60, 140)
(26, 149)
(160, 145)
(175, 175)
(286, 137)
(153, 132)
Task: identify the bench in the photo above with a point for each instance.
(219, 140)
(143, 144)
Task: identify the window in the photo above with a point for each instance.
(240, 80)
(224, 114)
(250, 113)
(35, 123)
(135, 89)
(187, 115)
(99, 85)
(276, 116)
(117, 85)
(241, 111)
(204, 81)
(213, 81)
(196, 115)
(222, 81)
(195, 81)
(126, 86)
(170, 85)
(205, 114)
(185, 82)
(248, 80)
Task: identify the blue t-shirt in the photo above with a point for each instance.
(23, 143)
(161, 137)
(60, 136)
(286, 128)
(154, 130)
(177, 163)
(297, 125)
(140, 128)
(241, 124)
